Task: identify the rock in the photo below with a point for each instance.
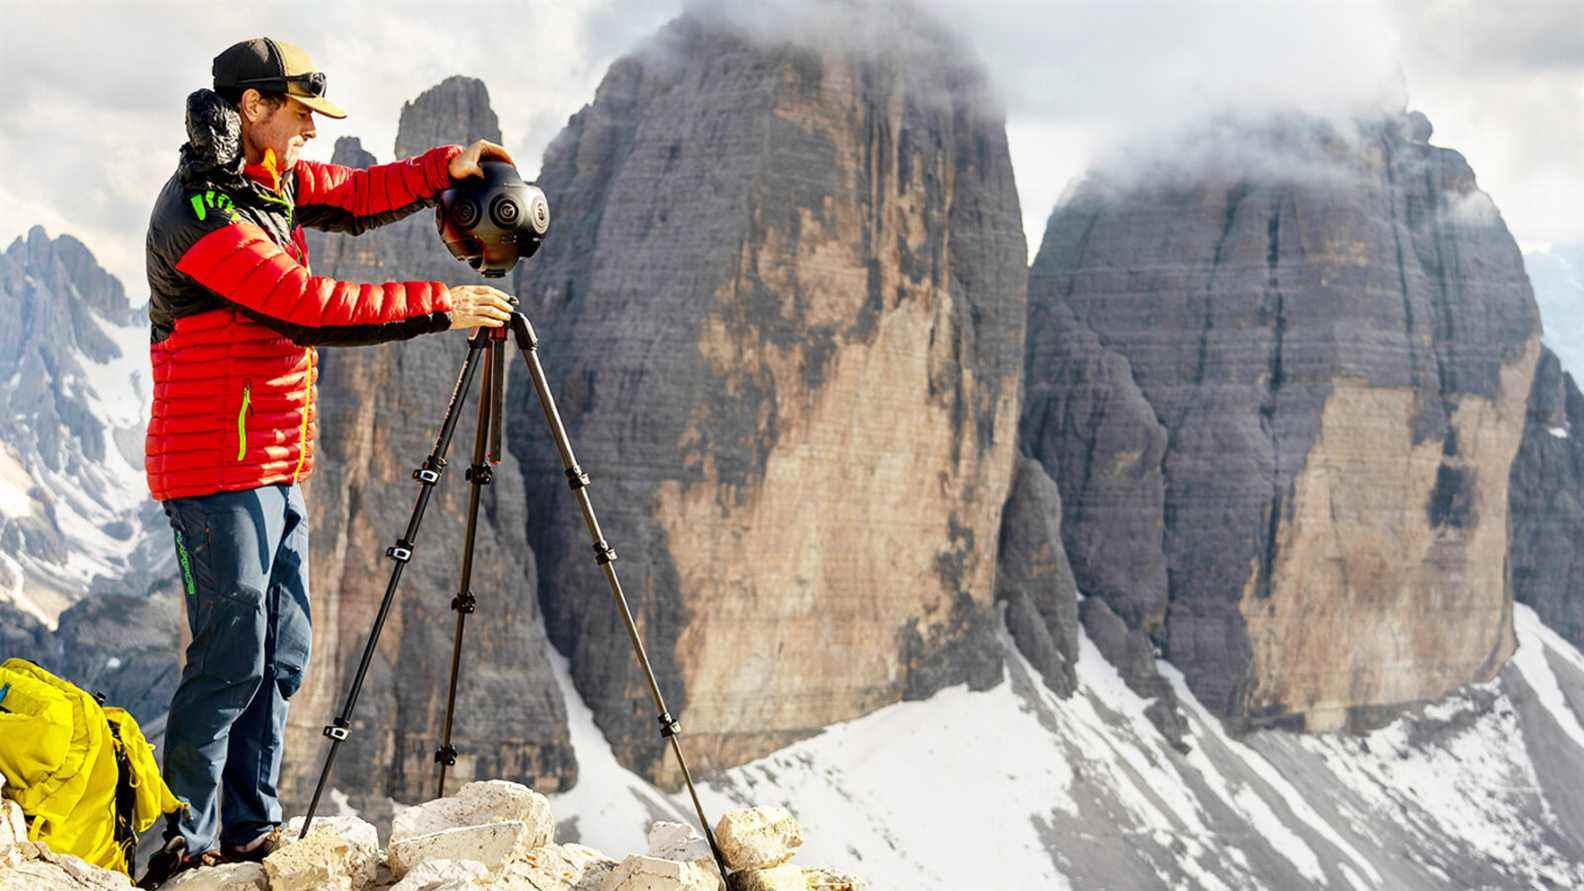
(677, 841)
(339, 852)
(479, 803)
(786, 877)
(491, 844)
(1547, 503)
(1088, 424)
(378, 410)
(39, 875)
(559, 868)
(443, 875)
(1035, 579)
(821, 879)
(225, 877)
(827, 240)
(42, 869)
(13, 823)
(639, 873)
(758, 838)
(1134, 658)
(1332, 325)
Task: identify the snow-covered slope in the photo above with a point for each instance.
(1015, 788)
(74, 356)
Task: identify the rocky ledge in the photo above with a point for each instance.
(492, 834)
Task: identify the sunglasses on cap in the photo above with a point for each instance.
(313, 82)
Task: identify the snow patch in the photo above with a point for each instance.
(15, 501)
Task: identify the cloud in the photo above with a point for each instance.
(92, 108)
(95, 92)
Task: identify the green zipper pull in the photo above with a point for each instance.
(247, 398)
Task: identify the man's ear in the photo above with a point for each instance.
(250, 105)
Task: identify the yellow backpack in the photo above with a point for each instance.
(85, 776)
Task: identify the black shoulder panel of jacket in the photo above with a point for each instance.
(182, 215)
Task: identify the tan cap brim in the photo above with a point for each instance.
(320, 104)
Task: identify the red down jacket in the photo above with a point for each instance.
(236, 312)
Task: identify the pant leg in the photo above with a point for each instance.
(249, 796)
(226, 547)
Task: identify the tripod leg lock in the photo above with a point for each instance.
(401, 551)
(669, 726)
(430, 471)
(604, 553)
(576, 478)
(337, 731)
(480, 473)
(446, 755)
(465, 603)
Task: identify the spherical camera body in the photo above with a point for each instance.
(491, 222)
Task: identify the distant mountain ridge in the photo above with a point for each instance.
(74, 506)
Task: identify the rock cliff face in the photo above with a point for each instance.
(381, 408)
(1295, 357)
(781, 308)
(1547, 517)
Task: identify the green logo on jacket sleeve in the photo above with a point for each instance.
(219, 202)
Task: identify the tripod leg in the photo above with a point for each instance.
(401, 552)
(605, 556)
(479, 475)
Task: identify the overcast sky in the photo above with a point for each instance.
(91, 115)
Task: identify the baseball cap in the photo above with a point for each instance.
(275, 66)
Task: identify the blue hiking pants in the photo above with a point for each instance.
(243, 558)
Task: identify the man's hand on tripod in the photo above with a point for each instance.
(473, 306)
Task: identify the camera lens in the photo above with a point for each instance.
(504, 211)
(465, 214)
(538, 212)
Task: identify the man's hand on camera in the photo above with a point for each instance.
(467, 163)
(473, 306)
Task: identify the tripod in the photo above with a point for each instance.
(491, 419)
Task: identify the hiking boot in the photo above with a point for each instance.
(254, 851)
(171, 860)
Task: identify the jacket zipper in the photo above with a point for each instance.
(307, 406)
(247, 399)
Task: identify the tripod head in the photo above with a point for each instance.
(491, 222)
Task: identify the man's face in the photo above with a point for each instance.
(285, 130)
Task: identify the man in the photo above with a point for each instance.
(236, 315)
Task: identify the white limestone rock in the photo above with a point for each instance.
(478, 804)
(758, 838)
(44, 870)
(339, 852)
(445, 875)
(491, 844)
(225, 877)
(822, 879)
(677, 841)
(786, 877)
(639, 873)
(11, 855)
(13, 824)
(558, 868)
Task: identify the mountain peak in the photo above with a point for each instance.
(456, 110)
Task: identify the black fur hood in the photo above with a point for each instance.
(213, 150)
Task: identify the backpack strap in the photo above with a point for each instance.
(125, 801)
